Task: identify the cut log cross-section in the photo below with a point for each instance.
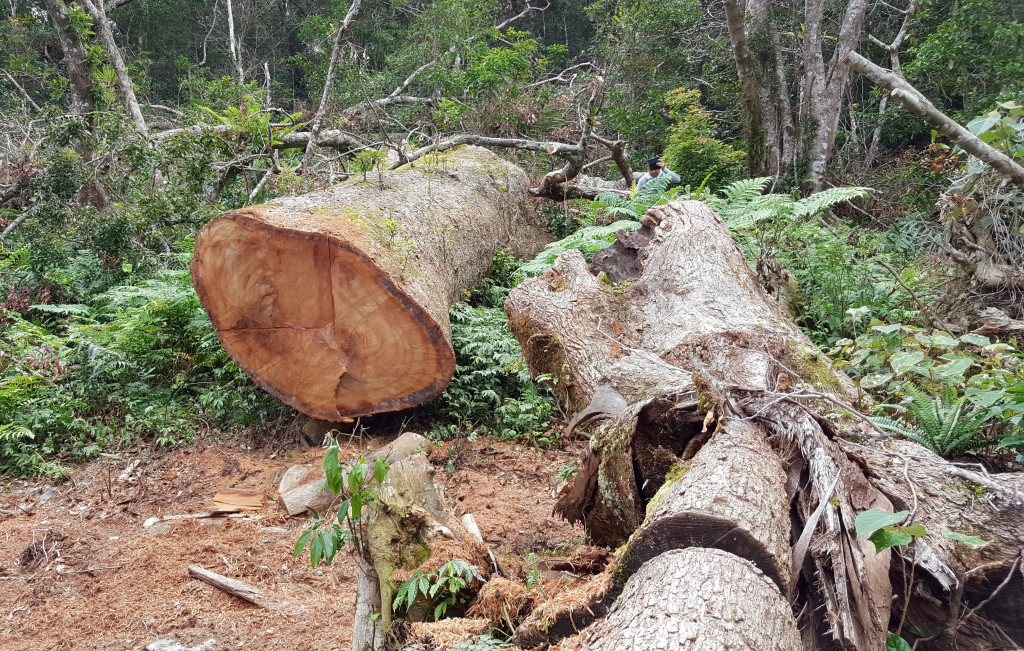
(336, 302)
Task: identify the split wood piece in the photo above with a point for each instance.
(697, 600)
(566, 613)
(944, 497)
(315, 494)
(230, 500)
(731, 496)
(336, 302)
(233, 587)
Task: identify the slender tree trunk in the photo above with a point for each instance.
(332, 73)
(757, 142)
(74, 58)
(236, 54)
(124, 81)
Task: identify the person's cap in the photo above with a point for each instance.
(653, 163)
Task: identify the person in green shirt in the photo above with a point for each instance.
(655, 168)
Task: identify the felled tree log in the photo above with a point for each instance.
(730, 496)
(337, 301)
(684, 333)
(697, 599)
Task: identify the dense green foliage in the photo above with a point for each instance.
(103, 342)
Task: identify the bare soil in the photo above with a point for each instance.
(79, 571)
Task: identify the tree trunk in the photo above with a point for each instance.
(124, 81)
(678, 331)
(236, 54)
(337, 301)
(74, 58)
(730, 496)
(697, 600)
(367, 632)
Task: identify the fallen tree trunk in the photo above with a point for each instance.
(674, 341)
(697, 600)
(336, 302)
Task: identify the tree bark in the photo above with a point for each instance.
(124, 81)
(337, 301)
(236, 55)
(697, 600)
(683, 331)
(730, 496)
(954, 577)
(74, 58)
(912, 100)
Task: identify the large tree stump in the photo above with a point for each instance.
(337, 301)
(697, 600)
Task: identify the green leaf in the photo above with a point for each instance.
(316, 549)
(332, 471)
(902, 361)
(888, 329)
(357, 506)
(894, 642)
(439, 611)
(872, 520)
(889, 537)
(914, 530)
(343, 512)
(980, 125)
(973, 542)
(975, 340)
(380, 470)
(954, 369)
(875, 380)
(301, 544)
(330, 546)
(356, 476)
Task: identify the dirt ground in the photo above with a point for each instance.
(79, 571)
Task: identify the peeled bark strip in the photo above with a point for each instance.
(696, 600)
(948, 498)
(731, 496)
(337, 301)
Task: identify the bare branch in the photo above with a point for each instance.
(21, 91)
(332, 73)
(913, 101)
(523, 14)
(560, 77)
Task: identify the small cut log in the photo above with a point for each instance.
(233, 587)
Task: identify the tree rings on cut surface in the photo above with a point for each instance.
(336, 302)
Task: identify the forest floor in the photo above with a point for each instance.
(78, 570)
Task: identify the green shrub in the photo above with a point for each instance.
(692, 151)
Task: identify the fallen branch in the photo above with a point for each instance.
(233, 587)
(913, 101)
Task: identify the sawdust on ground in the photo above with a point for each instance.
(79, 571)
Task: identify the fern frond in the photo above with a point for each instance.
(822, 201)
(11, 432)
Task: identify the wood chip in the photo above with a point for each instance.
(236, 499)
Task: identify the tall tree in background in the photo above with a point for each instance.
(793, 76)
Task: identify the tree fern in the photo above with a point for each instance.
(945, 425)
(741, 204)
